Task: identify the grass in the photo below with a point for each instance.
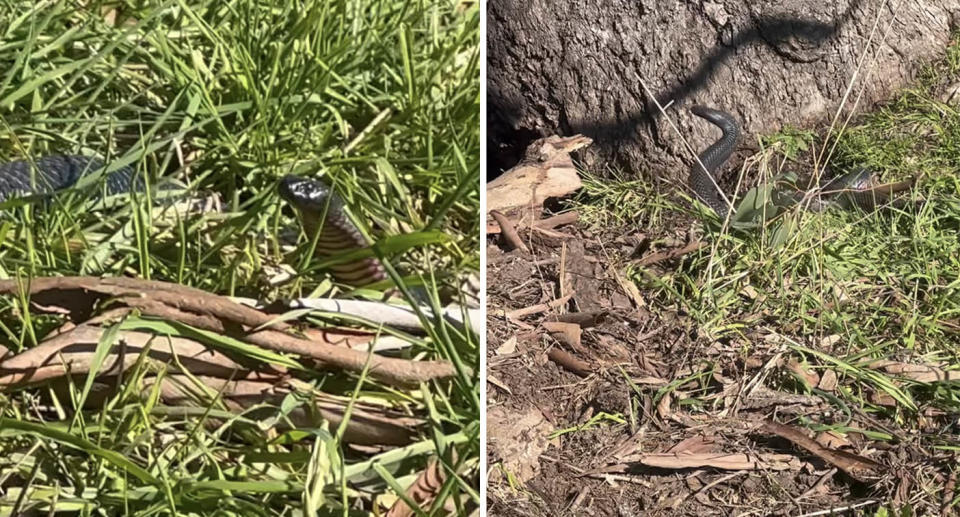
(380, 97)
(835, 291)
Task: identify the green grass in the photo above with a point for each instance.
(834, 291)
(380, 97)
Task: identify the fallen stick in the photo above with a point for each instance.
(72, 353)
(545, 224)
(734, 461)
(369, 424)
(174, 295)
(570, 362)
(537, 309)
(377, 313)
(387, 369)
(856, 466)
(509, 232)
(219, 314)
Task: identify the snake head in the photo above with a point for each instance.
(309, 195)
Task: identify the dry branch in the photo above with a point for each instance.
(723, 461)
(537, 309)
(219, 314)
(546, 224)
(546, 171)
(72, 353)
(403, 318)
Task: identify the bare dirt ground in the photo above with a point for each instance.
(603, 402)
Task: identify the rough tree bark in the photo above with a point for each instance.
(575, 67)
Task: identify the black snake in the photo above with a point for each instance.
(319, 207)
(845, 191)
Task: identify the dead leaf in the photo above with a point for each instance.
(697, 444)
(829, 341)
(832, 440)
(508, 347)
(663, 407)
(492, 379)
(810, 379)
(631, 289)
(517, 438)
(828, 381)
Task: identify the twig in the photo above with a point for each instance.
(840, 509)
(570, 362)
(545, 224)
(509, 232)
(542, 307)
(948, 492)
(387, 369)
(379, 313)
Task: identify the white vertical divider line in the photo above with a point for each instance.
(483, 258)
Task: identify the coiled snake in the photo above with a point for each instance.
(319, 207)
(854, 189)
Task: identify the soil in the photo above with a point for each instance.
(612, 418)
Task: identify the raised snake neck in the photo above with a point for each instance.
(321, 210)
(713, 157)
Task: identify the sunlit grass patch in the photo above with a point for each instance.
(380, 98)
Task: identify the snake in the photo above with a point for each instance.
(853, 189)
(321, 210)
(319, 206)
(58, 172)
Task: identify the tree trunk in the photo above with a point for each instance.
(576, 67)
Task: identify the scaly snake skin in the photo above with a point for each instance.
(313, 199)
(57, 172)
(854, 186)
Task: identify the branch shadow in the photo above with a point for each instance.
(790, 37)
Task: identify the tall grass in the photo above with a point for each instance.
(380, 97)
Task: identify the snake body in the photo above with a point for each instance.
(57, 172)
(322, 210)
(319, 207)
(854, 188)
(713, 157)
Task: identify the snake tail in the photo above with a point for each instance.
(321, 210)
(713, 158)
